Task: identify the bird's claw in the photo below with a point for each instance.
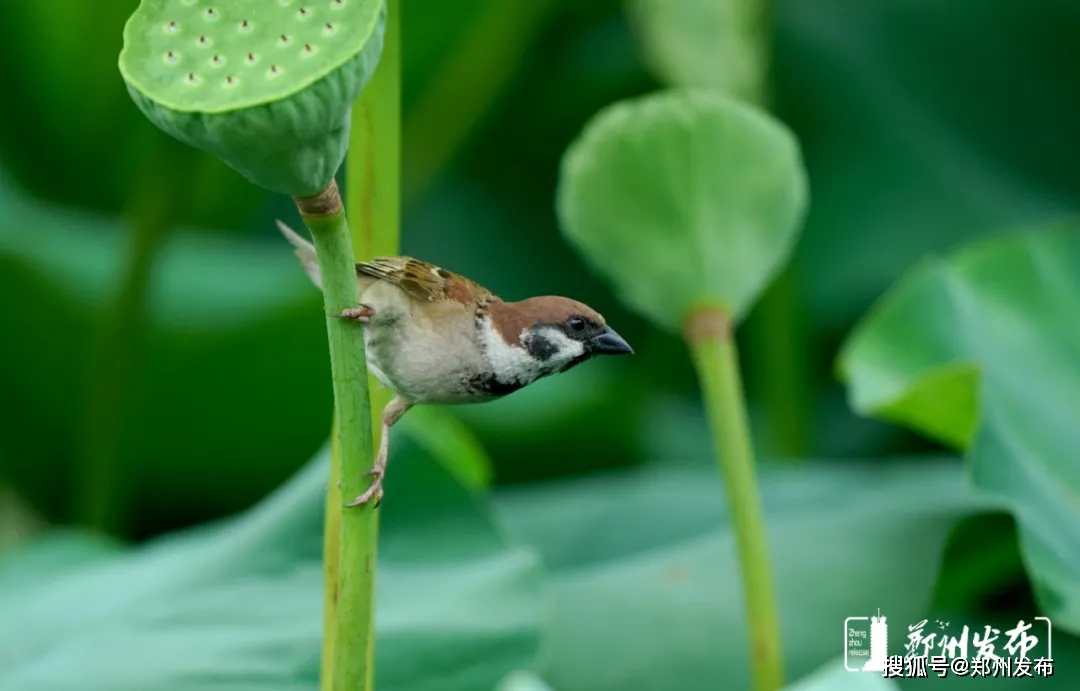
(375, 491)
(361, 314)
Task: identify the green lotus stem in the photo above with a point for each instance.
(373, 164)
(471, 77)
(324, 216)
(372, 179)
(115, 352)
(331, 560)
(712, 344)
(114, 355)
(373, 185)
(273, 101)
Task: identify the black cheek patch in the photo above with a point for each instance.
(541, 347)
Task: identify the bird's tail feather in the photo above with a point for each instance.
(306, 253)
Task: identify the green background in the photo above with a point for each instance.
(924, 125)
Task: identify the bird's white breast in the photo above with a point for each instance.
(424, 352)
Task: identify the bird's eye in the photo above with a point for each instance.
(577, 323)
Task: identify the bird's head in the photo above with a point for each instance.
(547, 335)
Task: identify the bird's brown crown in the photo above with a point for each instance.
(512, 318)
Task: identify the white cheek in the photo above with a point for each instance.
(513, 363)
(508, 362)
(566, 348)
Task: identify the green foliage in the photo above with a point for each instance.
(18, 521)
(906, 154)
(235, 605)
(451, 441)
(222, 313)
(268, 91)
(912, 147)
(999, 318)
(523, 681)
(833, 677)
(720, 45)
(683, 199)
(656, 605)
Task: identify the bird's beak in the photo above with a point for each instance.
(609, 343)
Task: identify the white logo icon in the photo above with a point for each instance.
(936, 649)
(866, 648)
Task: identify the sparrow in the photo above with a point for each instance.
(434, 337)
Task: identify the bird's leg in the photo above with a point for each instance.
(361, 314)
(391, 414)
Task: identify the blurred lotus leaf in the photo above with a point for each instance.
(905, 152)
(834, 677)
(656, 604)
(522, 680)
(719, 45)
(980, 349)
(222, 313)
(235, 606)
(447, 438)
(683, 198)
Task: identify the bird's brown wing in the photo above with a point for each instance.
(423, 281)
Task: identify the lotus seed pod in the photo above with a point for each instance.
(266, 85)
